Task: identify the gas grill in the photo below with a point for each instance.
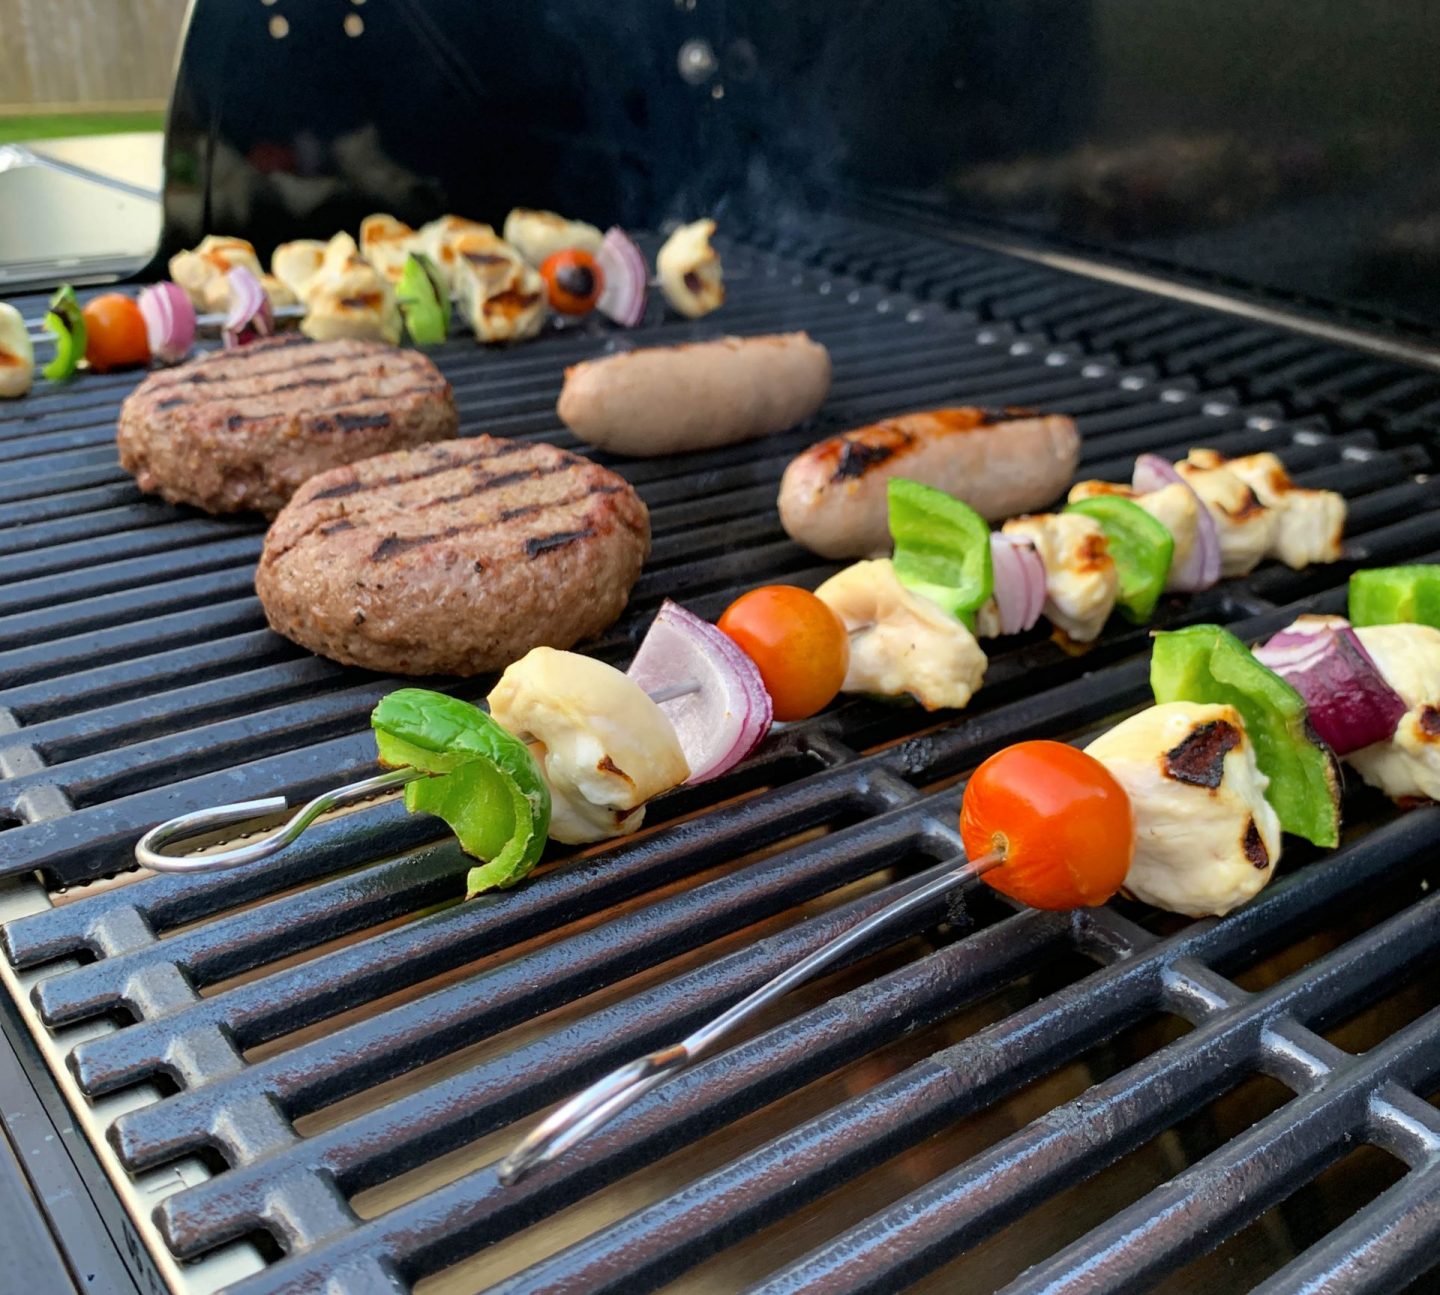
(298, 1076)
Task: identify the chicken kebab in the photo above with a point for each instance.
(916, 619)
(1182, 805)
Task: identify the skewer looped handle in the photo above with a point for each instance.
(607, 1097)
(202, 821)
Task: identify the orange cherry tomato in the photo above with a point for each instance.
(798, 644)
(1062, 821)
(573, 281)
(115, 335)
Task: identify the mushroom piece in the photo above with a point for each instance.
(1308, 524)
(1175, 507)
(1407, 766)
(1245, 526)
(539, 234)
(1081, 582)
(902, 644)
(689, 270)
(347, 297)
(501, 297)
(604, 746)
(1206, 839)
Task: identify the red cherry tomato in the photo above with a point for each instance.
(115, 336)
(1062, 821)
(798, 644)
(573, 281)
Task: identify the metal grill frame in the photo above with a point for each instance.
(814, 774)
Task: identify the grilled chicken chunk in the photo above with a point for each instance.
(1407, 767)
(296, 263)
(348, 297)
(208, 264)
(437, 240)
(501, 297)
(539, 234)
(1081, 583)
(902, 644)
(1308, 524)
(385, 242)
(1174, 507)
(604, 746)
(456, 558)
(1244, 524)
(1206, 839)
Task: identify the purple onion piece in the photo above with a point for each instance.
(1322, 658)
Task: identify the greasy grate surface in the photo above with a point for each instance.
(349, 1048)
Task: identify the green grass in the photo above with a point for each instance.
(20, 129)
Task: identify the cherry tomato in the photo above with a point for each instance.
(573, 281)
(1061, 819)
(115, 333)
(798, 644)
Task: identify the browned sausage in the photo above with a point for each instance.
(832, 497)
(669, 399)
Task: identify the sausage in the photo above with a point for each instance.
(1000, 462)
(669, 399)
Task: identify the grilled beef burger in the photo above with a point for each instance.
(454, 558)
(242, 429)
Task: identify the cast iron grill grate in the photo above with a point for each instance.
(347, 1048)
(1262, 363)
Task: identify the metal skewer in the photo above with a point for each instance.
(587, 1111)
(201, 822)
(38, 333)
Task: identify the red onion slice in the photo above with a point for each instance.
(1323, 659)
(729, 712)
(169, 321)
(626, 278)
(249, 317)
(1019, 582)
(1201, 568)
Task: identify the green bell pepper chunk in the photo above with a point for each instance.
(424, 302)
(1205, 663)
(486, 785)
(1396, 596)
(1142, 547)
(66, 321)
(942, 548)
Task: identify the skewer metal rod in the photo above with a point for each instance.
(148, 850)
(587, 1111)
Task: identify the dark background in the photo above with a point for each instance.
(1292, 147)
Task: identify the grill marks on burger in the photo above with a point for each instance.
(539, 501)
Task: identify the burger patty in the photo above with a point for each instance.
(243, 429)
(455, 558)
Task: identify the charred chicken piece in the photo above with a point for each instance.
(1244, 524)
(1206, 839)
(1081, 583)
(902, 644)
